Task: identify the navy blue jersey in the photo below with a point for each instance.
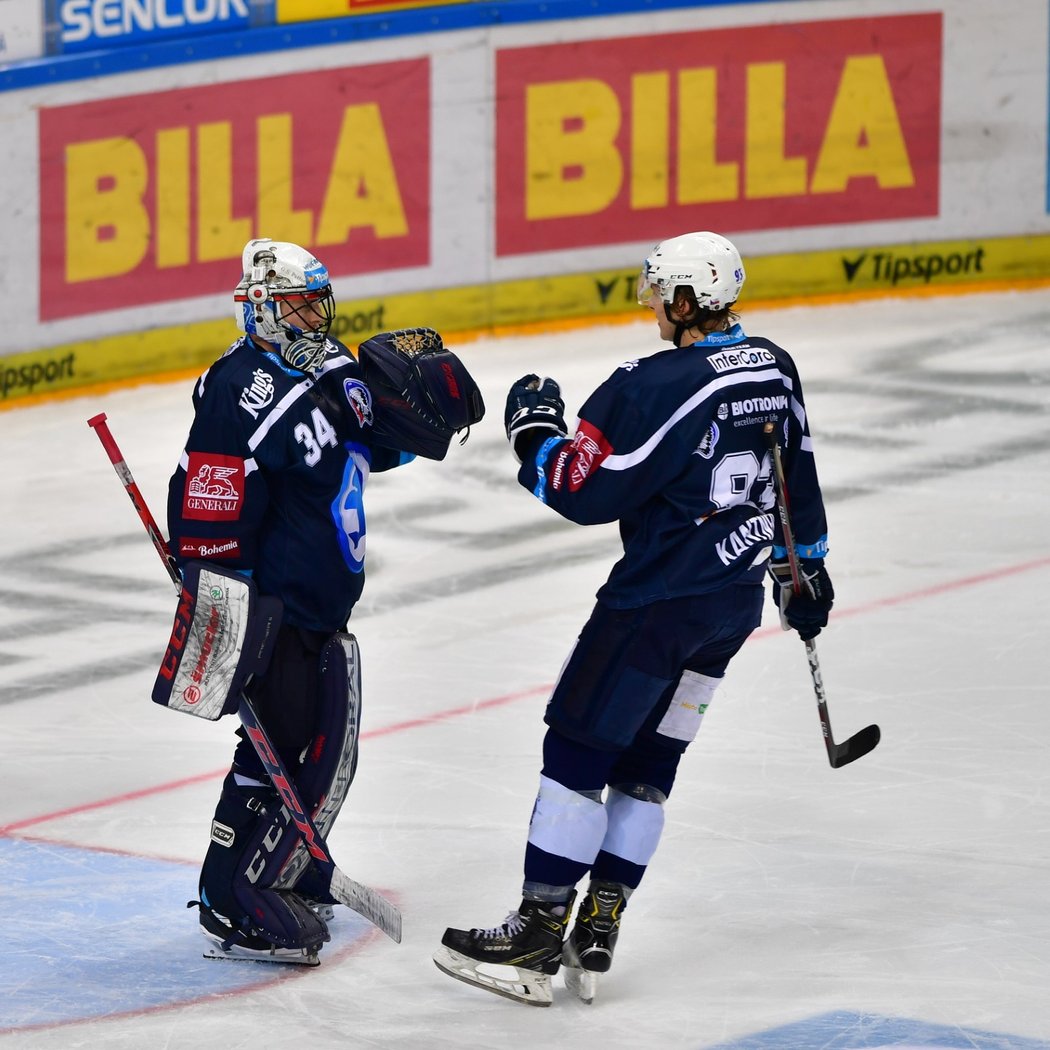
(272, 478)
(672, 447)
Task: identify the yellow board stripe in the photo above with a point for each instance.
(538, 304)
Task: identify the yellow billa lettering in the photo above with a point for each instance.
(362, 188)
(107, 226)
(274, 153)
(701, 177)
(572, 165)
(769, 172)
(863, 136)
(650, 139)
(172, 247)
(219, 234)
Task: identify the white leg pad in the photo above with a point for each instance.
(566, 823)
(634, 827)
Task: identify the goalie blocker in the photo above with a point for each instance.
(422, 393)
(223, 634)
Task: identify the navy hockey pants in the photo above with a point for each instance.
(627, 663)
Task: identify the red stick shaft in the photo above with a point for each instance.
(101, 429)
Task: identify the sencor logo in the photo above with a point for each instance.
(96, 20)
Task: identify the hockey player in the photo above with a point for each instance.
(287, 429)
(672, 447)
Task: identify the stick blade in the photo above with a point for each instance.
(856, 747)
(367, 903)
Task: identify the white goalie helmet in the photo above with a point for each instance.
(706, 262)
(285, 298)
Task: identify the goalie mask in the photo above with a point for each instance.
(285, 298)
(422, 393)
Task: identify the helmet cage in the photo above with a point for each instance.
(285, 299)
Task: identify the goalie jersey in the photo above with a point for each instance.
(272, 478)
(672, 447)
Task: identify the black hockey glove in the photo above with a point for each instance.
(806, 612)
(534, 408)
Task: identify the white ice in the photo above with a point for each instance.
(898, 901)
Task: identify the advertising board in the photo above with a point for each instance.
(505, 174)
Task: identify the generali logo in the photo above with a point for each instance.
(214, 487)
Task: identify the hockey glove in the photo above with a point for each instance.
(534, 408)
(806, 612)
(422, 393)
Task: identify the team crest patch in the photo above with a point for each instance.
(589, 447)
(360, 398)
(214, 487)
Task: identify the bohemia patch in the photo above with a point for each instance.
(194, 547)
(214, 487)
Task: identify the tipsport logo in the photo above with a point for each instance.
(890, 268)
(45, 373)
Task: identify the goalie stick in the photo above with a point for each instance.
(356, 896)
(858, 745)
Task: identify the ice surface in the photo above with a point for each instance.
(898, 902)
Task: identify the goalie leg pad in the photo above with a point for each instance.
(328, 769)
(252, 838)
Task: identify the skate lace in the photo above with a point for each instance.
(512, 924)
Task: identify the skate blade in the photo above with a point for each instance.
(288, 956)
(512, 982)
(582, 983)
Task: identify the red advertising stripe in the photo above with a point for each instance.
(764, 127)
(150, 198)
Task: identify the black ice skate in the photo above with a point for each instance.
(589, 949)
(228, 942)
(515, 959)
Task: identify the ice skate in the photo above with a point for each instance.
(516, 959)
(227, 942)
(589, 949)
(322, 909)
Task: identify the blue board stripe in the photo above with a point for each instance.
(267, 39)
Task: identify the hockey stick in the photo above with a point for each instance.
(864, 741)
(362, 899)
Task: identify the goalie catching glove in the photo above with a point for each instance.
(535, 411)
(807, 611)
(422, 393)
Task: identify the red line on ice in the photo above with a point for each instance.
(498, 701)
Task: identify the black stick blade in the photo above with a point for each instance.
(856, 747)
